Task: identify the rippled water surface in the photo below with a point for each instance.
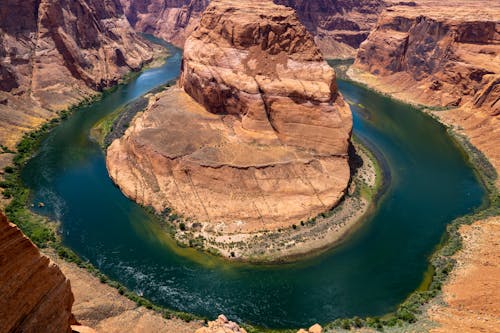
(369, 274)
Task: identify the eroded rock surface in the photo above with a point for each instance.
(338, 26)
(441, 55)
(36, 296)
(56, 53)
(256, 136)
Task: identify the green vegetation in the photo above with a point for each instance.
(104, 126)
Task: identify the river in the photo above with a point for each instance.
(369, 274)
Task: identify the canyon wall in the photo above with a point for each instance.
(55, 53)
(443, 56)
(338, 26)
(36, 296)
(256, 135)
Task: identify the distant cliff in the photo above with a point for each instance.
(54, 53)
(36, 296)
(339, 26)
(444, 56)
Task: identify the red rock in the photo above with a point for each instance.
(441, 55)
(56, 53)
(36, 296)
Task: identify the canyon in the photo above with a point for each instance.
(257, 133)
(422, 52)
(54, 54)
(446, 60)
(338, 26)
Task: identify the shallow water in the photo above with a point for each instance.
(372, 271)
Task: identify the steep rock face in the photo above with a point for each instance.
(338, 26)
(54, 53)
(441, 56)
(36, 296)
(172, 20)
(450, 59)
(256, 138)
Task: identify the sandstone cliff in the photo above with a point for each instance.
(338, 26)
(36, 296)
(441, 55)
(256, 136)
(55, 53)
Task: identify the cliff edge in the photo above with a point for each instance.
(36, 296)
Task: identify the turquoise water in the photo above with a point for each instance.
(368, 274)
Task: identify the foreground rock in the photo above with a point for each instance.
(255, 139)
(442, 56)
(338, 26)
(36, 296)
(55, 53)
(221, 325)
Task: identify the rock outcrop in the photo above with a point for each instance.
(221, 325)
(444, 56)
(56, 53)
(256, 136)
(36, 296)
(338, 26)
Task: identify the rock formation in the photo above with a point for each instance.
(221, 325)
(56, 53)
(441, 55)
(338, 26)
(256, 136)
(36, 296)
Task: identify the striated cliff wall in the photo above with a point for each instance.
(256, 136)
(55, 53)
(338, 26)
(36, 296)
(444, 56)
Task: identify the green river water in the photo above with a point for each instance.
(369, 274)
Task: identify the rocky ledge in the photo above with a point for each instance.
(254, 138)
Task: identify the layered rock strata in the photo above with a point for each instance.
(36, 296)
(55, 53)
(441, 56)
(256, 135)
(338, 26)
